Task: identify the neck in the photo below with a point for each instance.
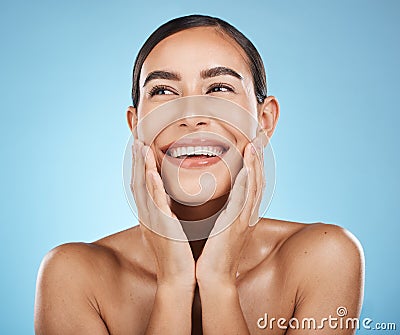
(198, 221)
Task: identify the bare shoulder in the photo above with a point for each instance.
(73, 279)
(83, 262)
(72, 261)
(312, 241)
(70, 270)
(323, 244)
(311, 249)
(323, 263)
(65, 290)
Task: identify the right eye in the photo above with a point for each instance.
(161, 90)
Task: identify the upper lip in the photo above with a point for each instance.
(194, 141)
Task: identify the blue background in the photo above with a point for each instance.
(65, 85)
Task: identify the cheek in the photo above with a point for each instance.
(241, 140)
(224, 183)
(142, 110)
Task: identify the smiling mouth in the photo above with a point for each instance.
(183, 152)
(195, 153)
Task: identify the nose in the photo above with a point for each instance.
(193, 122)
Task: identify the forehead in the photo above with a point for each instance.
(193, 50)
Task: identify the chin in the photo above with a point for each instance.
(195, 188)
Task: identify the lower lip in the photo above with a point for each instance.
(194, 162)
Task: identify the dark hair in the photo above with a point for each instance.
(191, 21)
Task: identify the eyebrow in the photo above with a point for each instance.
(204, 74)
(219, 71)
(161, 75)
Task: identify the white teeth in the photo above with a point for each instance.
(186, 151)
(190, 151)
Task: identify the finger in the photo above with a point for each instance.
(150, 168)
(259, 172)
(237, 196)
(134, 163)
(140, 191)
(149, 158)
(159, 194)
(159, 218)
(167, 224)
(133, 166)
(145, 152)
(258, 143)
(156, 189)
(149, 184)
(158, 200)
(154, 210)
(251, 187)
(262, 143)
(236, 200)
(139, 169)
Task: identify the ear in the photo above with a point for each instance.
(268, 115)
(131, 116)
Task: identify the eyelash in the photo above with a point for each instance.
(221, 85)
(158, 88)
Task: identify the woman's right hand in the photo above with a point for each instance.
(160, 227)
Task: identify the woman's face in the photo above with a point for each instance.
(197, 61)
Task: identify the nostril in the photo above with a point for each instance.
(192, 122)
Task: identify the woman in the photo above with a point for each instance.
(241, 280)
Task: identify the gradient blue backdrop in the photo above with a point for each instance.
(65, 85)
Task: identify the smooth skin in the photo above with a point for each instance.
(137, 282)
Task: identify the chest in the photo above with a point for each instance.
(264, 293)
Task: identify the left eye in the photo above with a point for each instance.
(220, 88)
(161, 91)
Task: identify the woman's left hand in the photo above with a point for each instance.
(219, 260)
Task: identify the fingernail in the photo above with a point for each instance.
(260, 145)
(253, 150)
(144, 151)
